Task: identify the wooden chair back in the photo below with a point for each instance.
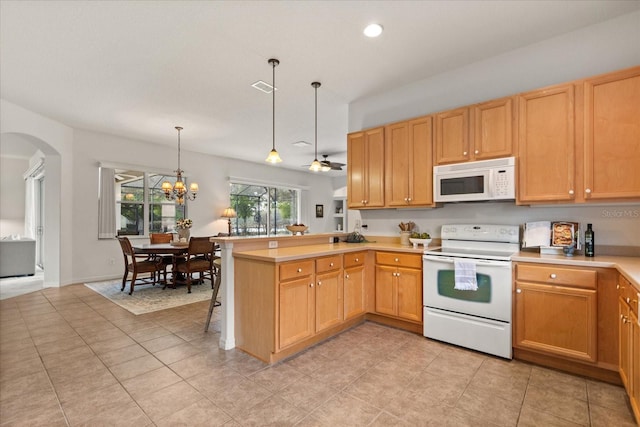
(127, 249)
(160, 237)
(200, 246)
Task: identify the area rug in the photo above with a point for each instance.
(148, 298)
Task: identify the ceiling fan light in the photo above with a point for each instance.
(325, 167)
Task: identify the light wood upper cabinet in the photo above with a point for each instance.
(452, 136)
(493, 129)
(478, 132)
(409, 163)
(546, 145)
(365, 175)
(612, 136)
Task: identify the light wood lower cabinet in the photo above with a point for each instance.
(399, 285)
(629, 339)
(556, 311)
(310, 302)
(354, 285)
(565, 317)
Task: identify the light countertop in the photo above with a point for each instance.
(628, 266)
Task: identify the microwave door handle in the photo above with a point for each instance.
(492, 182)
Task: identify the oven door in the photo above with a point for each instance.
(492, 300)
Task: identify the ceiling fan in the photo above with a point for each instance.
(335, 166)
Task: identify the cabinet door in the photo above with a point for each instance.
(356, 173)
(397, 158)
(421, 162)
(625, 344)
(365, 176)
(386, 290)
(329, 304)
(635, 365)
(375, 168)
(493, 129)
(296, 308)
(558, 320)
(546, 145)
(612, 136)
(409, 294)
(354, 292)
(452, 136)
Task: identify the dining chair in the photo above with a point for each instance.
(199, 259)
(217, 268)
(137, 264)
(167, 260)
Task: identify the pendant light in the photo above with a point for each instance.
(273, 156)
(316, 166)
(178, 191)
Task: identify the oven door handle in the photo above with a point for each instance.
(449, 259)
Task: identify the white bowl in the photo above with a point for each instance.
(416, 242)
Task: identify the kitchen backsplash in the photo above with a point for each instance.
(614, 225)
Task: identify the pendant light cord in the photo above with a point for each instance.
(315, 85)
(273, 91)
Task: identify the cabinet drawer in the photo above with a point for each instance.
(557, 275)
(628, 293)
(295, 269)
(354, 259)
(328, 263)
(398, 259)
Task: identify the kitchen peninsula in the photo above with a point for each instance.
(249, 275)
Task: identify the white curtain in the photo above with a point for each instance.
(107, 204)
(30, 215)
(30, 208)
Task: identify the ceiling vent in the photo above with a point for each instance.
(263, 86)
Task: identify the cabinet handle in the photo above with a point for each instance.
(618, 286)
(346, 276)
(588, 191)
(624, 319)
(571, 192)
(464, 153)
(628, 300)
(406, 200)
(357, 260)
(319, 283)
(311, 285)
(553, 275)
(396, 260)
(330, 264)
(409, 199)
(299, 270)
(477, 152)
(519, 291)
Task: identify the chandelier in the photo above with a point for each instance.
(273, 156)
(178, 191)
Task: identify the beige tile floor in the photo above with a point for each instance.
(70, 357)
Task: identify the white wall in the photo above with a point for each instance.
(597, 49)
(93, 257)
(601, 48)
(12, 195)
(55, 141)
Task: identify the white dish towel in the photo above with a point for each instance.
(465, 275)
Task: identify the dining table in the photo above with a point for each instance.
(176, 249)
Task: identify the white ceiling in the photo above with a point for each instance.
(136, 69)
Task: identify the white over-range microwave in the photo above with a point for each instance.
(484, 180)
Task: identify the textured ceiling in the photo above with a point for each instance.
(136, 69)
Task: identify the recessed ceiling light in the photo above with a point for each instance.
(263, 86)
(373, 30)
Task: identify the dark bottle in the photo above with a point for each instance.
(589, 241)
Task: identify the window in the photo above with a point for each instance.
(263, 210)
(140, 204)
